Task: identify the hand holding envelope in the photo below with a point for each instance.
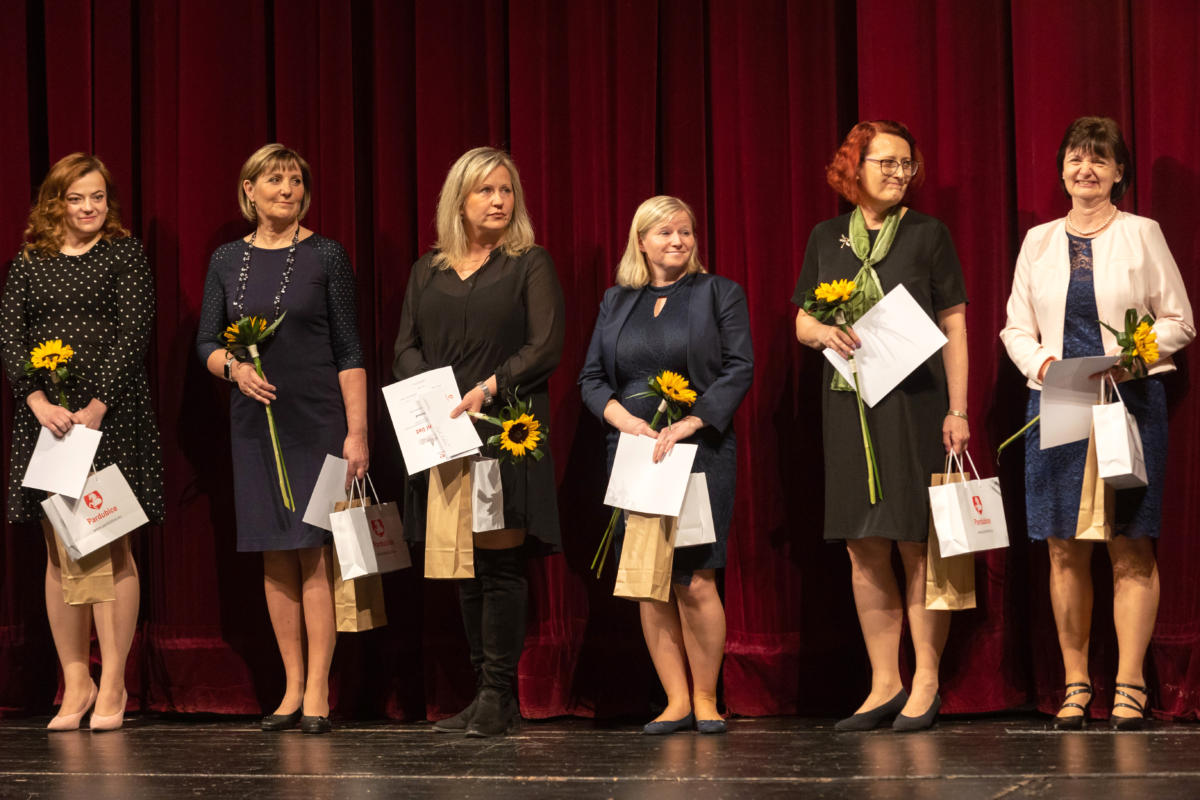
(420, 411)
(638, 484)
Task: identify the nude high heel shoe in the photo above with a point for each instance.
(70, 722)
(112, 721)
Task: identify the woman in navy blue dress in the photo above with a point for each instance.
(666, 312)
(1093, 265)
(317, 388)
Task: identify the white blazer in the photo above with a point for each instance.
(1132, 268)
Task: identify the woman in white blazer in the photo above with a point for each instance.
(1072, 273)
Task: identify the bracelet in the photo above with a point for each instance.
(487, 396)
(953, 413)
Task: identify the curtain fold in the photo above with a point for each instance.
(735, 107)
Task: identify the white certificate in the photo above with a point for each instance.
(897, 337)
(1068, 394)
(423, 441)
(330, 489)
(638, 484)
(61, 466)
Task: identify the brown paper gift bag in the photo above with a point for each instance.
(88, 580)
(1097, 500)
(949, 582)
(449, 543)
(647, 555)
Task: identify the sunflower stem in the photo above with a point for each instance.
(1016, 436)
(285, 486)
(606, 539)
(874, 487)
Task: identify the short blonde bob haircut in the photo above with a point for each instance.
(45, 232)
(634, 270)
(468, 172)
(268, 158)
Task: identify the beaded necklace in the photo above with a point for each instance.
(244, 275)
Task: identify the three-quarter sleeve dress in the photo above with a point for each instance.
(507, 319)
(906, 425)
(317, 340)
(101, 303)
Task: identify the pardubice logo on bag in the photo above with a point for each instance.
(377, 527)
(980, 521)
(94, 500)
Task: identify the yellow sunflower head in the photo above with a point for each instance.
(1145, 343)
(51, 353)
(674, 387)
(521, 435)
(835, 291)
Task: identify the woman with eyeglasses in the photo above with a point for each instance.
(881, 245)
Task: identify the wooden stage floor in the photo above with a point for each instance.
(1001, 757)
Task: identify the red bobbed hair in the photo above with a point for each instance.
(842, 172)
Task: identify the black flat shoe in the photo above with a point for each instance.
(1075, 722)
(665, 726)
(281, 722)
(459, 722)
(711, 726)
(315, 725)
(903, 724)
(1129, 723)
(870, 719)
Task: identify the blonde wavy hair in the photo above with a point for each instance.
(633, 270)
(45, 233)
(468, 172)
(268, 158)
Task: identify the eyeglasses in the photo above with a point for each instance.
(888, 166)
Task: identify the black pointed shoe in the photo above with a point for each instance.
(903, 724)
(281, 722)
(872, 718)
(315, 725)
(1075, 722)
(1129, 723)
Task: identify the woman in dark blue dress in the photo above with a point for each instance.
(666, 312)
(1071, 273)
(316, 386)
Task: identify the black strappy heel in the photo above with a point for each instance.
(1129, 723)
(1075, 722)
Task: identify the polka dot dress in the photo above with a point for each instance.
(102, 304)
(317, 339)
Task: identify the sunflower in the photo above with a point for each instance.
(674, 387)
(835, 291)
(234, 334)
(520, 435)
(49, 354)
(1145, 343)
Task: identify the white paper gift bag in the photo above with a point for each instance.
(695, 517)
(352, 538)
(106, 510)
(1119, 454)
(387, 534)
(487, 495)
(968, 515)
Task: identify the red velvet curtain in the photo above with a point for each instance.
(735, 106)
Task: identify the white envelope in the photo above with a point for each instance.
(330, 489)
(897, 337)
(1068, 394)
(638, 484)
(419, 442)
(456, 435)
(695, 517)
(61, 466)
(487, 495)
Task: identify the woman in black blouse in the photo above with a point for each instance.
(83, 279)
(486, 301)
(317, 388)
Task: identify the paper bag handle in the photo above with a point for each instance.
(953, 456)
(371, 483)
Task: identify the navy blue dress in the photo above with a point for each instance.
(1054, 477)
(317, 340)
(646, 346)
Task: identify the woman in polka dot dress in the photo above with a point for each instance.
(317, 388)
(83, 279)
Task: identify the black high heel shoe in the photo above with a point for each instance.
(1129, 723)
(903, 724)
(1075, 722)
(871, 718)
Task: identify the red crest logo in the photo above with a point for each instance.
(377, 527)
(93, 500)
(978, 504)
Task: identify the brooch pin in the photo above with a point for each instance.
(845, 240)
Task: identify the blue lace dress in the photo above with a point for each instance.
(1054, 477)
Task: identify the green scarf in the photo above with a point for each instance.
(866, 280)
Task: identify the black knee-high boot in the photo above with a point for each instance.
(502, 574)
(470, 602)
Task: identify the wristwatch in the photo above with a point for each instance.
(229, 362)
(487, 396)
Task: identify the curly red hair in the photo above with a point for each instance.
(842, 172)
(44, 234)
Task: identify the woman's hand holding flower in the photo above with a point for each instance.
(90, 415)
(251, 384)
(842, 342)
(673, 433)
(49, 415)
